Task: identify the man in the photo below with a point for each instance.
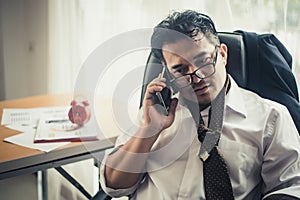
(258, 141)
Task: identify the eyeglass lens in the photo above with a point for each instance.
(202, 72)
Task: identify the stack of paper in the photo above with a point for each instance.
(26, 121)
(59, 128)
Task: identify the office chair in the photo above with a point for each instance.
(269, 75)
(237, 67)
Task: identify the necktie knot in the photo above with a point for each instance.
(202, 129)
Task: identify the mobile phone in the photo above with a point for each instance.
(164, 97)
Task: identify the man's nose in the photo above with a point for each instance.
(195, 79)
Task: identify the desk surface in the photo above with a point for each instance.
(17, 160)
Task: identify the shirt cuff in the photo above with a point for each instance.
(111, 191)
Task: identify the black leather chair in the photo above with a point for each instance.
(271, 77)
(236, 67)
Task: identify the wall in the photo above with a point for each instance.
(24, 42)
(23, 52)
(2, 86)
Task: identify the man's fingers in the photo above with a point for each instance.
(155, 88)
(157, 85)
(160, 82)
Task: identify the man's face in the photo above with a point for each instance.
(185, 57)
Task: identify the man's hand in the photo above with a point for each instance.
(154, 117)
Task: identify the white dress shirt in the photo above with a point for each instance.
(259, 143)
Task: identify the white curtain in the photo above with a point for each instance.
(77, 27)
(64, 43)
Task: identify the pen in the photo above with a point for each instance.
(57, 121)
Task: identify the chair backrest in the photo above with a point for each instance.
(265, 70)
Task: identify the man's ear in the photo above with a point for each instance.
(223, 53)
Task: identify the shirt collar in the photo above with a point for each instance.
(234, 99)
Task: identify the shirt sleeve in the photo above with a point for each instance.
(281, 164)
(115, 192)
(121, 140)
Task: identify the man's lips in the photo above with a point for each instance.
(201, 89)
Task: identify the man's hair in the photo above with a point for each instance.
(189, 23)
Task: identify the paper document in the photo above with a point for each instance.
(29, 116)
(26, 120)
(26, 139)
(53, 129)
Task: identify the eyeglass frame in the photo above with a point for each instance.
(194, 72)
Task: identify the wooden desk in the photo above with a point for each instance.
(17, 160)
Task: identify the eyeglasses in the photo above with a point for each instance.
(204, 71)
